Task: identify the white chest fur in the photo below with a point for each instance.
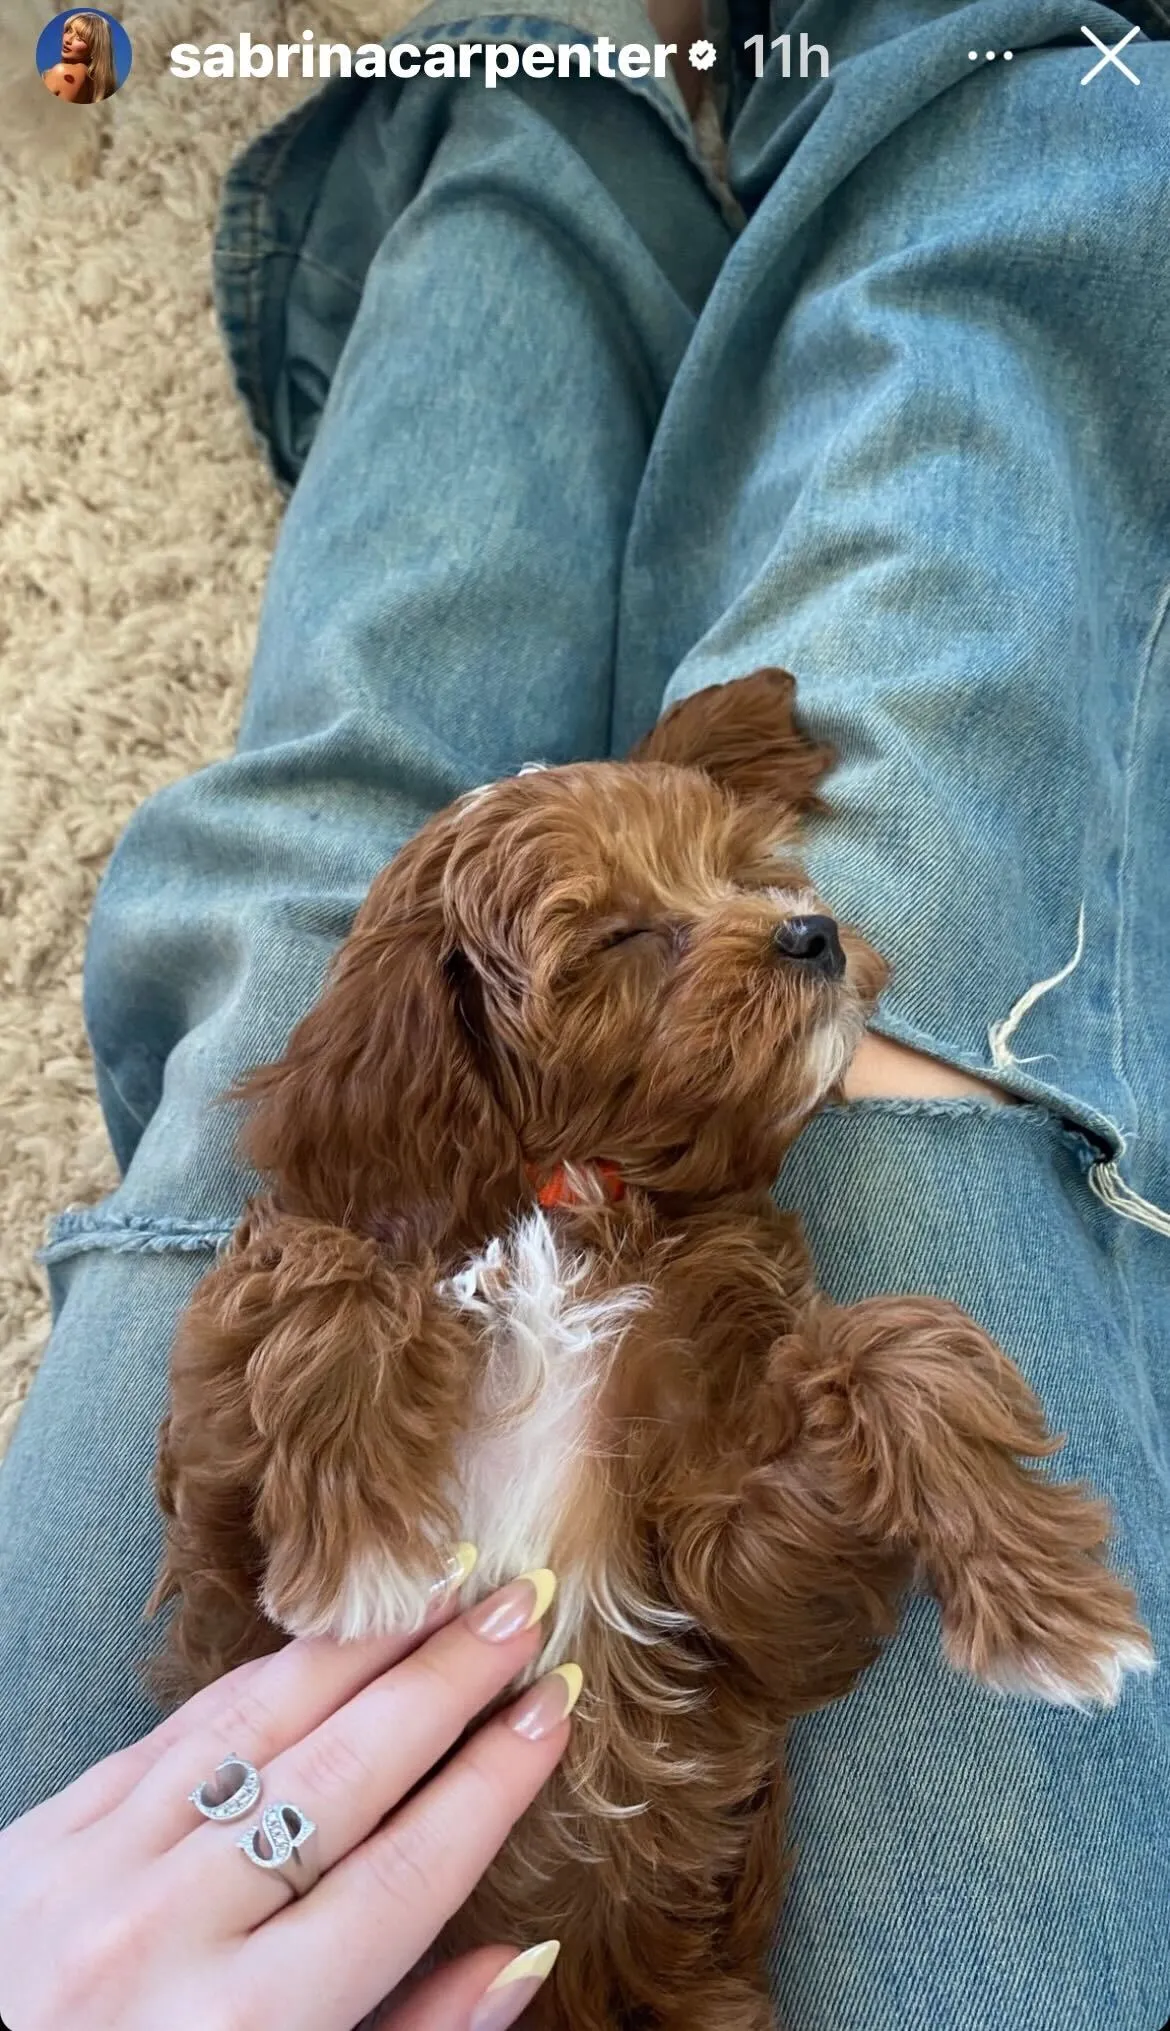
(547, 1341)
(547, 1348)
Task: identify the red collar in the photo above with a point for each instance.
(568, 1184)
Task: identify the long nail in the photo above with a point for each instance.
(547, 1703)
(459, 1567)
(514, 1987)
(517, 1606)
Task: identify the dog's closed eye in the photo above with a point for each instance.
(669, 938)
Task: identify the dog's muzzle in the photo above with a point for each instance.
(813, 943)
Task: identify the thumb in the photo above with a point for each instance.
(484, 1991)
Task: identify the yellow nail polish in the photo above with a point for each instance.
(574, 1679)
(547, 1704)
(461, 1563)
(530, 1966)
(464, 1558)
(544, 1584)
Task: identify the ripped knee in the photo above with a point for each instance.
(884, 1070)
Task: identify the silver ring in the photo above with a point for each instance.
(230, 1793)
(283, 1840)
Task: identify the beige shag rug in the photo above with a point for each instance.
(136, 523)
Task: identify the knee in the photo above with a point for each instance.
(882, 1069)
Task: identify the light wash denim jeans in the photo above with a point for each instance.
(567, 436)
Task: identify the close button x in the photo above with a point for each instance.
(1110, 56)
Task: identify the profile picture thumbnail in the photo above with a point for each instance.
(84, 57)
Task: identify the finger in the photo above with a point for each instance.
(373, 1916)
(106, 1784)
(291, 1693)
(483, 1991)
(349, 1772)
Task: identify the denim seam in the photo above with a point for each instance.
(1122, 950)
(115, 1087)
(244, 243)
(1030, 1114)
(1124, 937)
(1028, 1110)
(75, 1233)
(310, 264)
(267, 247)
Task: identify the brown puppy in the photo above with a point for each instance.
(519, 1280)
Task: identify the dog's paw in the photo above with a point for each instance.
(373, 1596)
(1096, 1680)
(1070, 1637)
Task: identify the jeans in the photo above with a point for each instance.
(568, 434)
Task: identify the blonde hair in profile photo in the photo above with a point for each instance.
(103, 77)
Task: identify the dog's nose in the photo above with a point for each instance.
(814, 942)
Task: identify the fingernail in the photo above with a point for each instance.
(517, 1606)
(460, 1566)
(514, 1987)
(547, 1703)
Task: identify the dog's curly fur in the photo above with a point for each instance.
(734, 1479)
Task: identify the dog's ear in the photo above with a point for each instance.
(745, 735)
(381, 1108)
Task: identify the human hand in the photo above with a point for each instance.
(121, 1909)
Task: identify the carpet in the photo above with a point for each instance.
(136, 524)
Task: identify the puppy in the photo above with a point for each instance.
(519, 1279)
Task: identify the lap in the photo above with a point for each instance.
(932, 499)
(963, 1858)
(440, 609)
